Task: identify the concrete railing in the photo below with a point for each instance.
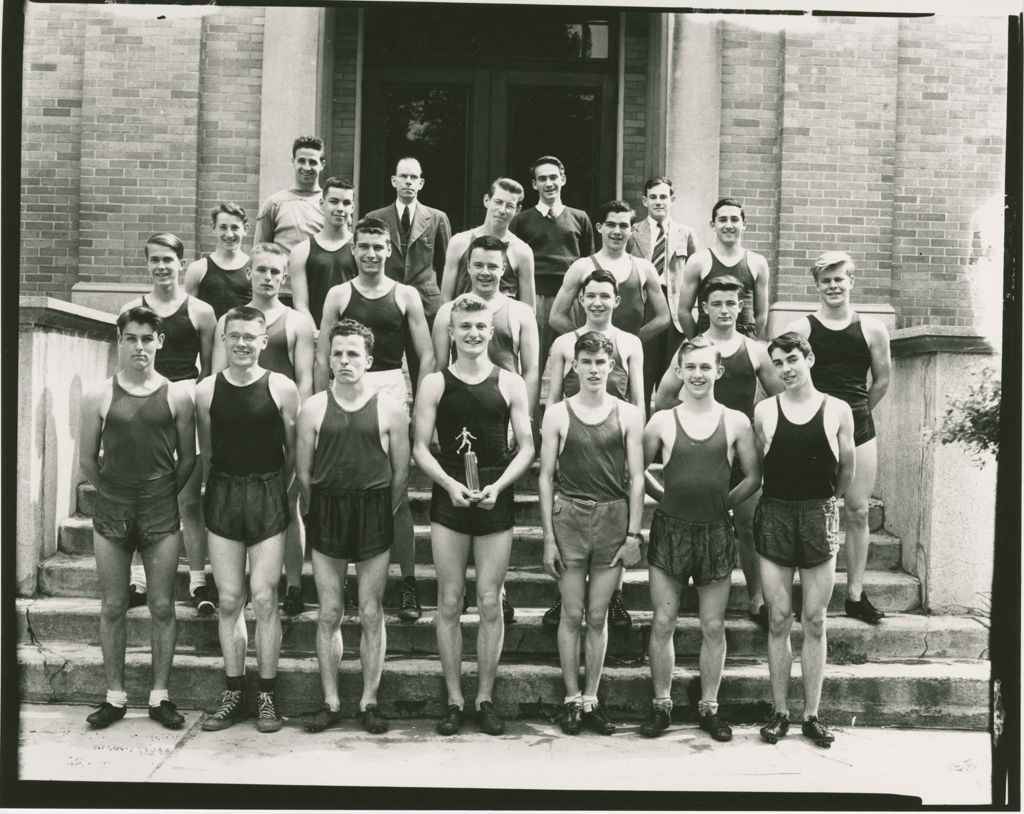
(63, 349)
(938, 500)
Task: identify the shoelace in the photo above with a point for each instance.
(408, 597)
(816, 726)
(265, 706)
(617, 610)
(228, 703)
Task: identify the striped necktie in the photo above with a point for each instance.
(658, 257)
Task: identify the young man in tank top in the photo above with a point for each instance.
(246, 417)
(146, 430)
(847, 347)
(591, 518)
(325, 259)
(183, 358)
(394, 312)
(288, 351)
(500, 205)
(636, 278)
(470, 404)
(745, 362)
(726, 256)
(219, 279)
(691, 532)
(352, 465)
(806, 439)
(599, 296)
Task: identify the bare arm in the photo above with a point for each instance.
(551, 438)
(652, 443)
(761, 297)
(629, 552)
(266, 224)
(439, 334)
(770, 381)
(336, 299)
(206, 327)
(397, 423)
(847, 450)
(297, 277)
(635, 371)
(185, 430)
(527, 284)
(305, 443)
(556, 380)
(451, 267)
(660, 318)
(513, 385)
(204, 395)
(669, 389)
(561, 309)
(746, 452)
(424, 418)
(194, 275)
(219, 355)
(419, 332)
(287, 397)
(529, 359)
(688, 293)
(302, 357)
(90, 433)
(881, 363)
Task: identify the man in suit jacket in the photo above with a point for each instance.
(421, 242)
(666, 244)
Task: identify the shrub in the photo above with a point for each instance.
(973, 419)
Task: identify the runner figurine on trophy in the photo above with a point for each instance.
(469, 460)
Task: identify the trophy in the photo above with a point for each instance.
(469, 459)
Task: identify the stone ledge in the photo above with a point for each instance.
(68, 317)
(924, 339)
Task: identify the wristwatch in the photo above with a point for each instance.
(636, 535)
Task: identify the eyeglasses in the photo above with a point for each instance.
(248, 339)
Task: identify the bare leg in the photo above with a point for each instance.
(816, 584)
(778, 594)
(857, 500)
(329, 575)
(490, 554)
(602, 583)
(712, 600)
(112, 566)
(227, 560)
(743, 518)
(662, 651)
(373, 576)
(161, 562)
(573, 589)
(265, 560)
(450, 551)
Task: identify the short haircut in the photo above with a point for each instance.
(408, 158)
(698, 342)
(829, 260)
(349, 327)
(788, 341)
(654, 180)
(372, 226)
(230, 208)
(245, 313)
(546, 159)
(168, 241)
(507, 184)
(600, 276)
(593, 343)
(337, 182)
(268, 247)
(725, 282)
(140, 315)
(469, 302)
(728, 202)
(489, 243)
(307, 143)
(613, 206)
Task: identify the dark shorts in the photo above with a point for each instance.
(704, 551)
(863, 424)
(474, 520)
(588, 532)
(138, 514)
(247, 508)
(351, 525)
(796, 533)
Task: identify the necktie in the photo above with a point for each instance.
(658, 257)
(405, 222)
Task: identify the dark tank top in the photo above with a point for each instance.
(177, 358)
(501, 349)
(224, 289)
(138, 436)
(592, 463)
(246, 428)
(509, 283)
(386, 320)
(738, 385)
(618, 380)
(741, 271)
(275, 355)
(324, 270)
(697, 476)
(629, 315)
(348, 454)
(800, 464)
(842, 360)
(479, 408)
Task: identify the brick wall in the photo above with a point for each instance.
(341, 150)
(949, 171)
(634, 147)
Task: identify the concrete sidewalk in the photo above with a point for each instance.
(941, 766)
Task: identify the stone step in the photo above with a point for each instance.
(68, 576)
(75, 537)
(527, 511)
(900, 636)
(925, 693)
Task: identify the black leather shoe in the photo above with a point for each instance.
(373, 720)
(618, 616)
(817, 731)
(488, 721)
(508, 613)
(323, 719)
(775, 727)
(657, 721)
(597, 721)
(167, 715)
(863, 609)
(715, 726)
(106, 715)
(553, 616)
(202, 601)
(136, 598)
(571, 719)
(451, 723)
(293, 604)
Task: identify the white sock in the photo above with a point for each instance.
(117, 698)
(707, 707)
(196, 579)
(138, 578)
(156, 696)
(663, 702)
(589, 702)
(574, 699)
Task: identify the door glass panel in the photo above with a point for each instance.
(432, 125)
(563, 123)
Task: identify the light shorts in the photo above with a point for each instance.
(588, 532)
(391, 382)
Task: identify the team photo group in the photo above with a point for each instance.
(628, 358)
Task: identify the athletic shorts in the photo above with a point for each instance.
(474, 520)
(863, 424)
(796, 533)
(391, 382)
(247, 508)
(353, 525)
(588, 532)
(136, 514)
(704, 551)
